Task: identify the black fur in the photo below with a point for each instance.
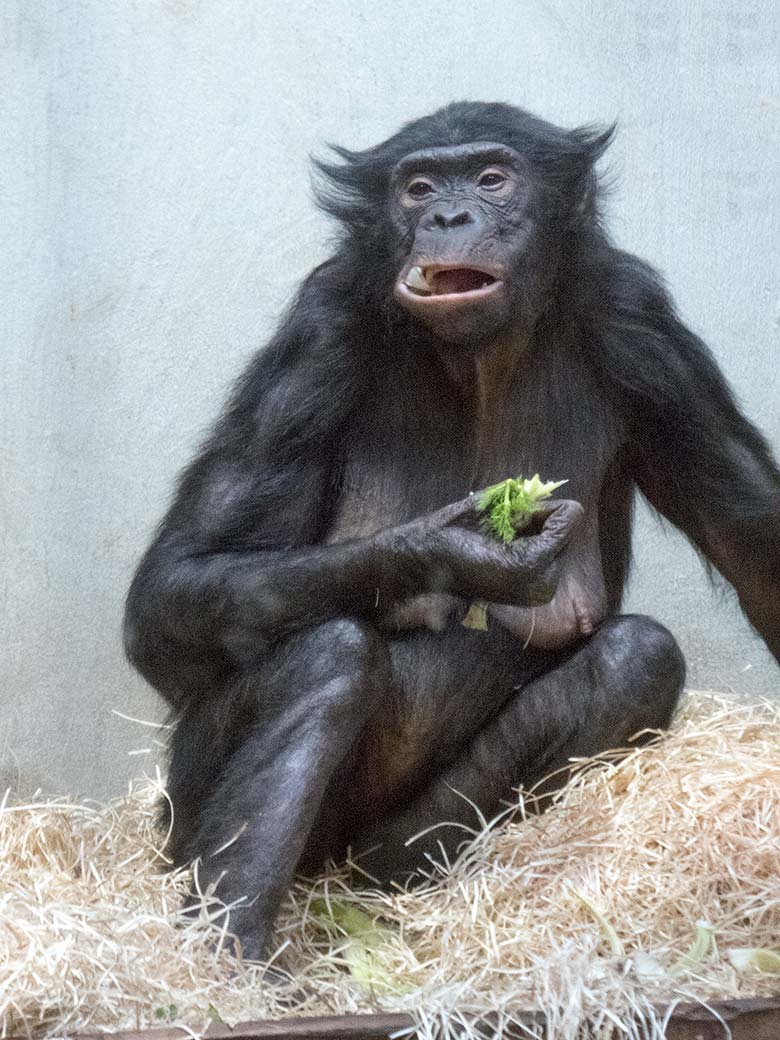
(320, 701)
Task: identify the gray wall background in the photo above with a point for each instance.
(156, 216)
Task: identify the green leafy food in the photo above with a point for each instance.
(607, 930)
(365, 945)
(702, 945)
(756, 960)
(506, 509)
(476, 616)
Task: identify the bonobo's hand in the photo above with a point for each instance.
(460, 559)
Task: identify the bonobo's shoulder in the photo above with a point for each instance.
(307, 373)
(642, 317)
(645, 352)
(332, 275)
(311, 327)
(328, 305)
(318, 296)
(636, 290)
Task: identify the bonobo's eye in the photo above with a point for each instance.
(495, 181)
(417, 189)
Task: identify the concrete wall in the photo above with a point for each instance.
(156, 215)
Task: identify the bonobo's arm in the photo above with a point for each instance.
(237, 562)
(693, 453)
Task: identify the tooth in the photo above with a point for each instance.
(416, 280)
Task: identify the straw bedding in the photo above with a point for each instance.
(586, 912)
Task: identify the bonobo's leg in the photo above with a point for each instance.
(301, 710)
(626, 678)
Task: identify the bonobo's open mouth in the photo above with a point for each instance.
(435, 281)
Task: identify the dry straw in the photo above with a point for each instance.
(589, 912)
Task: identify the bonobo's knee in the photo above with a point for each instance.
(340, 664)
(345, 635)
(645, 655)
(341, 646)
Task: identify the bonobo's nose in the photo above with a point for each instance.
(450, 217)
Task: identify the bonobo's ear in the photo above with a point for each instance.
(565, 161)
(593, 141)
(588, 145)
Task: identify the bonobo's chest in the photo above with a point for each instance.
(424, 439)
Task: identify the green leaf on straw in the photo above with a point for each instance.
(615, 945)
(366, 949)
(755, 960)
(702, 945)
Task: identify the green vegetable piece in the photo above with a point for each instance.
(215, 1016)
(368, 964)
(476, 616)
(615, 945)
(702, 945)
(755, 960)
(506, 509)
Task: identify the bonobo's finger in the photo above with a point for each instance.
(551, 529)
(561, 518)
(453, 513)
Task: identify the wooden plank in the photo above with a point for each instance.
(746, 1019)
(757, 1019)
(332, 1027)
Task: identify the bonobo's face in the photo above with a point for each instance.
(470, 240)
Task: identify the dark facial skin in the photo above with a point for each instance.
(468, 213)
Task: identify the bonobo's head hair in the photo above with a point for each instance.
(463, 216)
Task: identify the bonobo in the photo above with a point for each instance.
(300, 607)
